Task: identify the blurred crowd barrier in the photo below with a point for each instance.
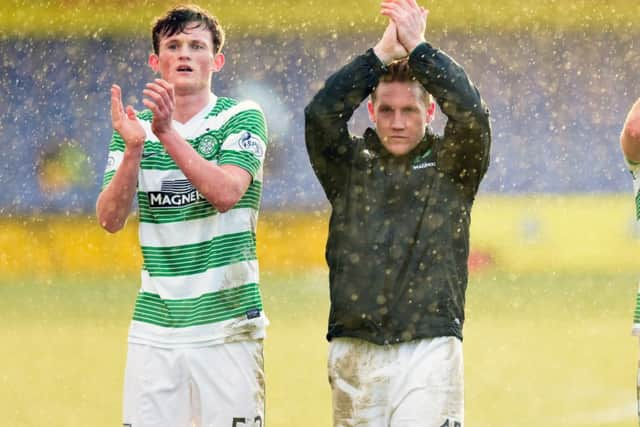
(519, 234)
(546, 233)
(558, 100)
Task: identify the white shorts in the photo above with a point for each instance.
(418, 383)
(215, 386)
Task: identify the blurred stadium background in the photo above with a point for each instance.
(554, 243)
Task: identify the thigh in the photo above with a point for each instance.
(156, 389)
(359, 375)
(228, 384)
(429, 390)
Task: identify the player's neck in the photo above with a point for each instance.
(188, 105)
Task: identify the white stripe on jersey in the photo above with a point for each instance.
(212, 280)
(150, 136)
(189, 130)
(195, 336)
(198, 230)
(218, 121)
(114, 161)
(151, 180)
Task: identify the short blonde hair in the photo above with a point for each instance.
(399, 71)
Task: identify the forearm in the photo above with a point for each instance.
(332, 107)
(114, 202)
(327, 135)
(220, 185)
(447, 81)
(464, 152)
(630, 137)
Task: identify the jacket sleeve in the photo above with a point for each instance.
(329, 144)
(463, 152)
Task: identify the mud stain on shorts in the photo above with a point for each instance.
(259, 373)
(360, 382)
(346, 384)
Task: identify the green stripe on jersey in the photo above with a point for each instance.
(161, 162)
(145, 115)
(636, 315)
(107, 178)
(117, 143)
(638, 206)
(156, 158)
(243, 159)
(251, 198)
(248, 120)
(208, 308)
(221, 105)
(199, 257)
(196, 210)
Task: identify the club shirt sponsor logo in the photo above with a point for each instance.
(424, 165)
(174, 194)
(421, 162)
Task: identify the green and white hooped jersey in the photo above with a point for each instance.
(634, 168)
(200, 278)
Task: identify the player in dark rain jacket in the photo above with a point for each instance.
(398, 243)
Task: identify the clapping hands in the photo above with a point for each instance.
(406, 28)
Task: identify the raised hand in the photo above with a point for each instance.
(124, 121)
(160, 99)
(410, 19)
(388, 49)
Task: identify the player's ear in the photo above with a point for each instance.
(153, 62)
(371, 110)
(218, 62)
(431, 111)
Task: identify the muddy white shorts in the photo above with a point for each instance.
(413, 384)
(215, 386)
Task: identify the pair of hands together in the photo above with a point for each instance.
(407, 24)
(159, 98)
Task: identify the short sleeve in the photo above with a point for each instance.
(245, 139)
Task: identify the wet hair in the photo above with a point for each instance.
(399, 71)
(180, 17)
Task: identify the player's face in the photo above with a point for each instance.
(187, 60)
(401, 114)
